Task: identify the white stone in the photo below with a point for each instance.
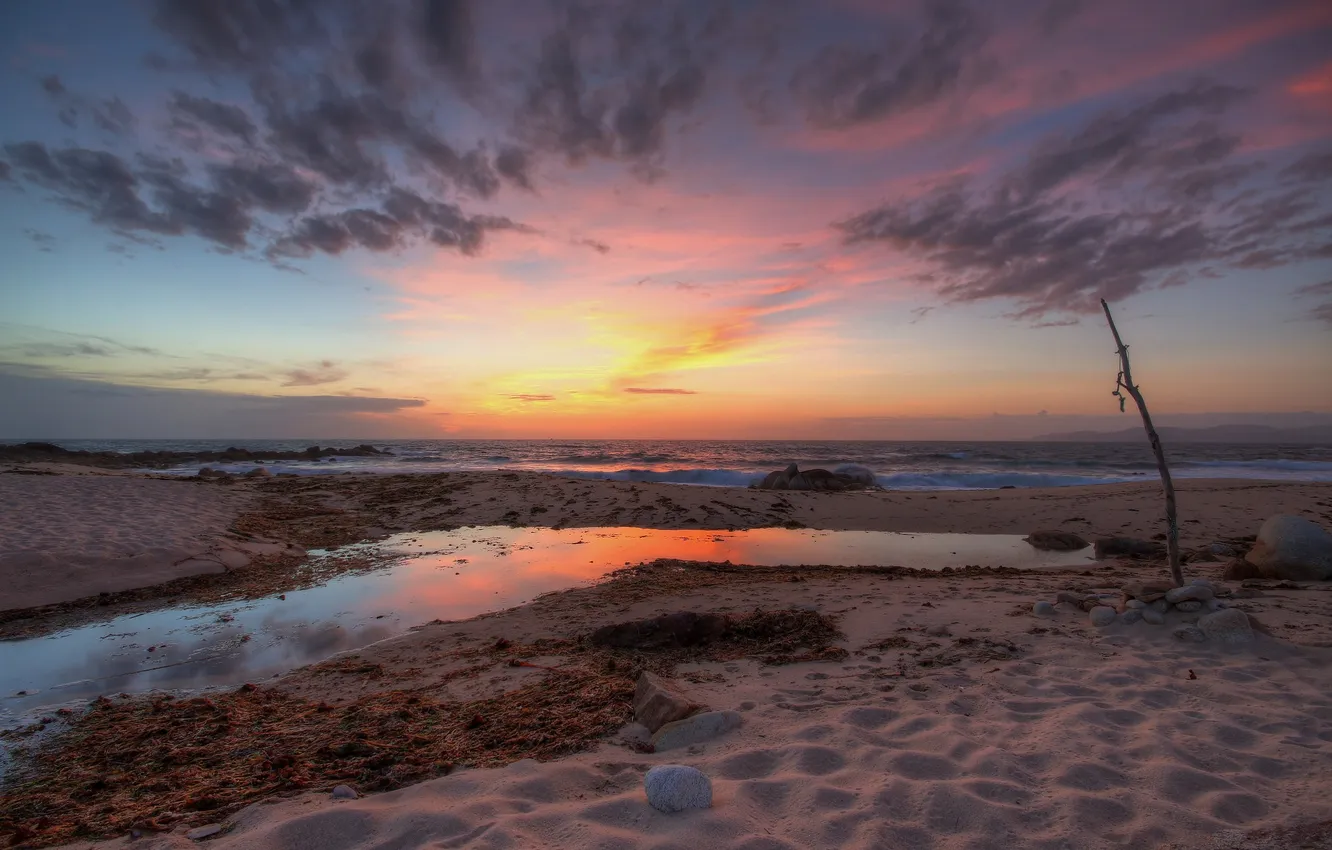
(676, 788)
(1229, 627)
(1292, 547)
(696, 729)
(201, 832)
(1043, 609)
(1102, 615)
(344, 792)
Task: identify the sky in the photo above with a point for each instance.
(679, 219)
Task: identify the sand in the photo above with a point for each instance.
(1006, 731)
(66, 536)
(1073, 738)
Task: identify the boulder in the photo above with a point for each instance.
(1131, 616)
(1238, 570)
(1102, 615)
(860, 475)
(683, 628)
(655, 706)
(1199, 592)
(1146, 591)
(792, 478)
(1128, 547)
(1189, 606)
(1135, 603)
(1056, 541)
(257, 472)
(1152, 617)
(1189, 634)
(1294, 548)
(1229, 626)
(676, 788)
(695, 729)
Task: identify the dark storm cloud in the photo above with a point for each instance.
(1032, 238)
(448, 36)
(267, 186)
(190, 111)
(240, 34)
(845, 85)
(95, 181)
(404, 215)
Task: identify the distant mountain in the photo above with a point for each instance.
(1312, 435)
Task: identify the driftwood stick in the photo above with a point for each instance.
(1125, 382)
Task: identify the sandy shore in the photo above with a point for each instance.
(943, 713)
(80, 534)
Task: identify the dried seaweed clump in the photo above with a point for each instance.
(146, 763)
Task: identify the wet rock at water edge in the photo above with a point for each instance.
(677, 788)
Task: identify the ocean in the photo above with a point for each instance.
(738, 463)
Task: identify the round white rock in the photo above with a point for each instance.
(676, 788)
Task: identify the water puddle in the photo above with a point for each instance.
(449, 575)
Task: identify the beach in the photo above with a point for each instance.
(927, 709)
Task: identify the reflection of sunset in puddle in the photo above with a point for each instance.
(447, 575)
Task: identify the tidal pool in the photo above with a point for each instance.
(447, 575)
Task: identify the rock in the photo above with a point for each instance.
(1135, 604)
(1202, 582)
(683, 628)
(1199, 592)
(1128, 547)
(862, 475)
(1222, 550)
(1131, 616)
(258, 472)
(938, 631)
(209, 472)
(1070, 598)
(344, 792)
(1056, 541)
(1239, 570)
(696, 729)
(1067, 608)
(1189, 634)
(1102, 615)
(1153, 617)
(1229, 627)
(791, 478)
(655, 706)
(1189, 606)
(677, 788)
(1293, 548)
(1147, 591)
(201, 832)
(1215, 605)
(1043, 609)
(1160, 606)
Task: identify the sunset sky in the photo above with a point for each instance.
(521, 218)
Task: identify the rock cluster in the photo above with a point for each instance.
(1151, 602)
(791, 478)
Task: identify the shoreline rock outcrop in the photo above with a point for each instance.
(51, 453)
(792, 478)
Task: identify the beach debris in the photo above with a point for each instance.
(1189, 634)
(1056, 541)
(1294, 548)
(695, 730)
(1102, 615)
(1229, 627)
(199, 833)
(655, 705)
(677, 788)
(1192, 675)
(343, 792)
(1128, 547)
(1043, 608)
(683, 628)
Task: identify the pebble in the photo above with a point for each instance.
(1190, 593)
(1131, 616)
(677, 787)
(1159, 605)
(1229, 627)
(1135, 603)
(1189, 634)
(344, 792)
(696, 729)
(938, 631)
(201, 832)
(1102, 615)
(1041, 609)
(1189, 606)
(1153, 617)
